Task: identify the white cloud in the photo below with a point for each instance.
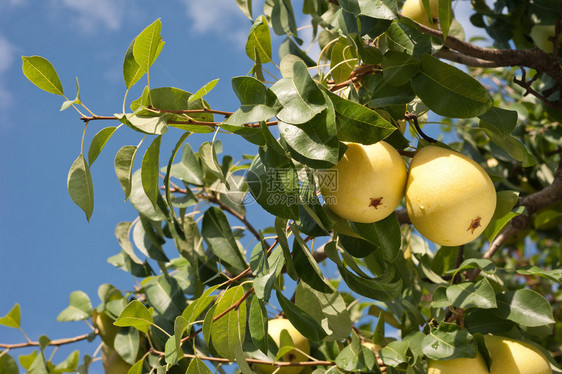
(93, 14)
(218, 16)
(7, 53)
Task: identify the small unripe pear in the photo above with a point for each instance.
(450, 198)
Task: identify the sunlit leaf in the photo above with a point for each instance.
(42, 74)
(12, 318)
(79, 308)
(137, 316)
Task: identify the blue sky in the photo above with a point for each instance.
(47, 249)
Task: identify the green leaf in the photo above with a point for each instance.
(472, 295)
(124, 160)
(137, 367)
(79, 308)
(257, 324)
(208, 155)
(218, 235)
(306, 266)
(404, 38)
(68, 103)
(502, 121)
(299, 95)
(180, 325)
(98, 142)
(445, 16)
(26, 360)
(377, 9)
(327, 308)
(525, 307)
(203, 90)
(189, 169)
(147, 241)
(395, 353)
(127, 344)
(350, 357)
(228, 331)
(372, 288)
(80, 186)
(150, 170)
(554, 274)
(283, 18)
(7, 364)
(399, 67)
(385, 234)
(257, 102)
(510, 144)
(496, 226)
(447, 342)
(506, 200)
(357, 123)
(196, 366)
(12, 319)
(132, 71)
(483, 322)
(194, 310)
(342, 60)
(42, 74)
(487, 266)
(449, 91)
(147, 124)
(147, 45)
(259, 40)
(137, 316)
(122, 232)
(302, 321)
(165, 295)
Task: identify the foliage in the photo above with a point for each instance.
(209, 304)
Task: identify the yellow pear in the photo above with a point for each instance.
(450, 198)
(367, 184)
(541, 34)
(112, 362)
(415, 10)
(275, 326)
(475, 365)
(104, 324)
(515, 357)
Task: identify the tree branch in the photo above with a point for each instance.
(56, 343)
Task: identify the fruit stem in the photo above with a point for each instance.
(414, 118)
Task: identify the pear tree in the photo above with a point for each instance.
(315, 286)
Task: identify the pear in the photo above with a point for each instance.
(450, 199)
(415, 10)
(515, 357)
(367, 184)
(475, 365)
(274, 329)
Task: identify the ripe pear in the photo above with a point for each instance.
(275, 326)
(104, 324)
(541, 34)
(415, 10)
(513, 356)
(475, 365)
(450, 199)
(112, 362)
(367, 184)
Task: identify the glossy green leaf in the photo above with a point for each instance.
(483, 322)
(132, 71)
(203, 90)
(147, 45)
(449, 341)
(505, 201)
(502, 121)
(196, 366)
(156, 125)
(42, 74)
(194, 310)
(525, 307)
(449, 91)
(404, 38)
(299, 95)
(327, 308)
(218, 235)
(80, 186)
(7, 364)
(257, 102)
(484, 264)
(98, 142)
(150, 171)
(259, 40)
(385, 234)
(399, 67)
(357, 123)
(472, 295)
(343, 59)
(378, 9)
(302, 321)
(127, 344)
(208, 155)
(124, 160)
(263, 285)
(229, 331)
(137, 316)
(257, 324)
(497, 225)
(79, 308)
(12, 318)
(372, 288)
